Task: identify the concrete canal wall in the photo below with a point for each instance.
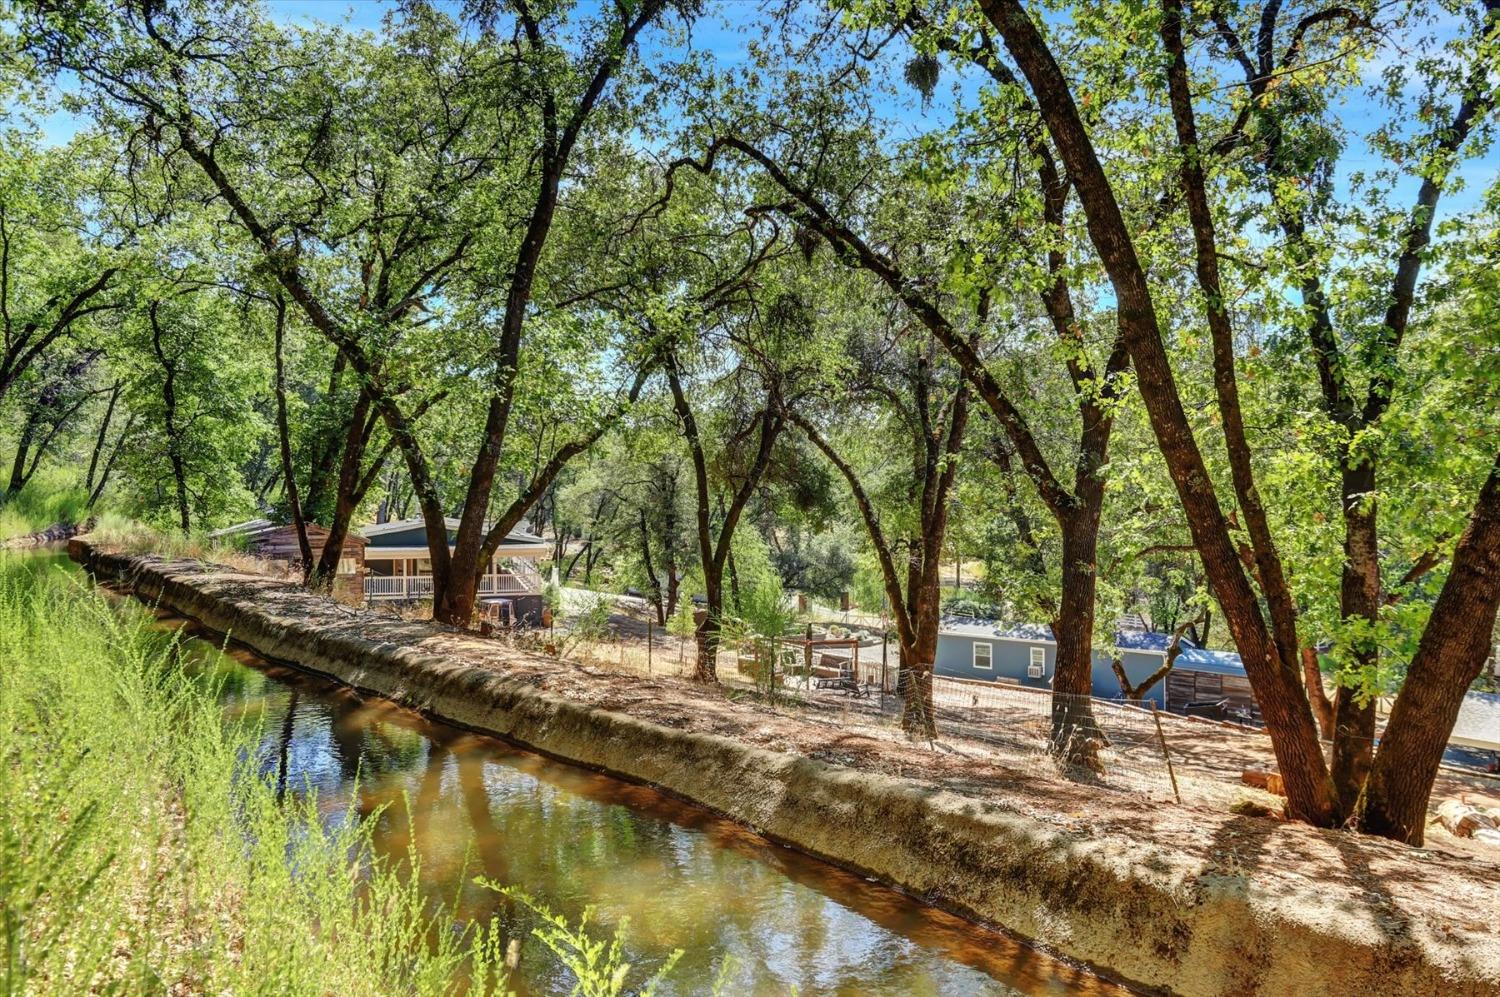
(1121, 899)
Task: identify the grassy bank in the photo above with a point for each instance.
(142, 852)
(41, 504)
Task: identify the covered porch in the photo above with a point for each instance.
(409, 578)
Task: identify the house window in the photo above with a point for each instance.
(347, 566)
(424, 565)
(1038, 666)
(984, 656)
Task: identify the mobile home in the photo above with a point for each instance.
(1026, 654)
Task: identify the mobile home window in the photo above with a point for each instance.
(1038, 666)
(347, 566)
(984, 656)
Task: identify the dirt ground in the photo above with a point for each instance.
(1208, 758)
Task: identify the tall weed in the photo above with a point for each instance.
(142, 851)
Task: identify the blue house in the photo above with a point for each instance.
(1026, 654)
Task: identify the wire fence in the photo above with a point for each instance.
(848, 681)
(1113, 745)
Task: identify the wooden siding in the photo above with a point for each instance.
(280, 544)
(1186, 686)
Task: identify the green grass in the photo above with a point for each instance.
(141, 852)
(48, 499)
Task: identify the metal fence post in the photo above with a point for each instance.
(1164, 752)
(775, 655)
(807, 659)
(885, 643)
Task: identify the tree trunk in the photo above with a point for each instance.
(1276, 679)
(1360, 600)
(914, 680)
(346, 495)
(179, 479)
(715, 553)
(102, 438)
(169, 419)
(1312, 677)
(734, 583)
(673, 586)
(1075, 738)
(709, 629)
(669, 557)
(109, 464)
(653, 585)
(1449, 658)
(23, 451)
(284, 440)
(454, 597)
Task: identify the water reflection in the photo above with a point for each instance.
(469, 806)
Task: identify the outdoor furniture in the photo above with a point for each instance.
(499, 612)
(1242, 715)
(837, 674)
(1209, 709)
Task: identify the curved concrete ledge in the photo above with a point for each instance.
(1174, 919)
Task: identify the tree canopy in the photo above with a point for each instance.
(1181, 310)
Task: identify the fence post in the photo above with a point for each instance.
(807, 659)
(885, 646)
(1164, 752)
(775, 654)
(648, 646)
(929, 691)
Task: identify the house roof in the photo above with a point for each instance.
(258, 532)
(249, 526)
(958, 626)
(1218, 662)
(1478, 724)
(1149, 640)
(515, 538)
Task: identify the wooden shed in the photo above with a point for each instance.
(1200, 676)
(267, 540)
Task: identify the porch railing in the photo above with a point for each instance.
(522, 579)
(398, 586)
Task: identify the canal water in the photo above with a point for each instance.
(470, 806)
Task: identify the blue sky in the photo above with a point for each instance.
(717, 33)
(362, 14)
(720, 32)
